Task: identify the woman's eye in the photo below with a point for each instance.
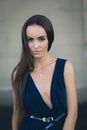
(41, 39)
(29, 39)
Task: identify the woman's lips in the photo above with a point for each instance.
(36, 52)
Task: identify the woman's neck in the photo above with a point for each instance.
(40, 62)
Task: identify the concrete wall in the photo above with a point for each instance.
(69, 18)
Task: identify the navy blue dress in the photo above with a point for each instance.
(35, 105)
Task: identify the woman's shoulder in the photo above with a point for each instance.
(69, 67)
(13, 76)
(65, 64)
(61, 59)
(61, 62)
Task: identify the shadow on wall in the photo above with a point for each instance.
(6, 114)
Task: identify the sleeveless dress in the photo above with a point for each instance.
(36, 106)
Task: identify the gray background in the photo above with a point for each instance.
(69, 18)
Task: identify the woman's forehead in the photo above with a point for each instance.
(35, 30)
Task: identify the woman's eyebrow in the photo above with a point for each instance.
(29, 37)
(42, 36)
(37, 37)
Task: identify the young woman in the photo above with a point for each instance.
(44, 92)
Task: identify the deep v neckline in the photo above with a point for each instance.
(36, 88)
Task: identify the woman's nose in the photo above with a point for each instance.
(36, 44)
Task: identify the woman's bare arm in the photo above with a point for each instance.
(71, 93)
(15, 115)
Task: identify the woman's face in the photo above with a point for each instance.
(37, 40)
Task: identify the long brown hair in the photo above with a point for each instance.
(26, 63)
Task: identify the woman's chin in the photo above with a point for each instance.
(37, 56)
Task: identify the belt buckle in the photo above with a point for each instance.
(47, 119)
